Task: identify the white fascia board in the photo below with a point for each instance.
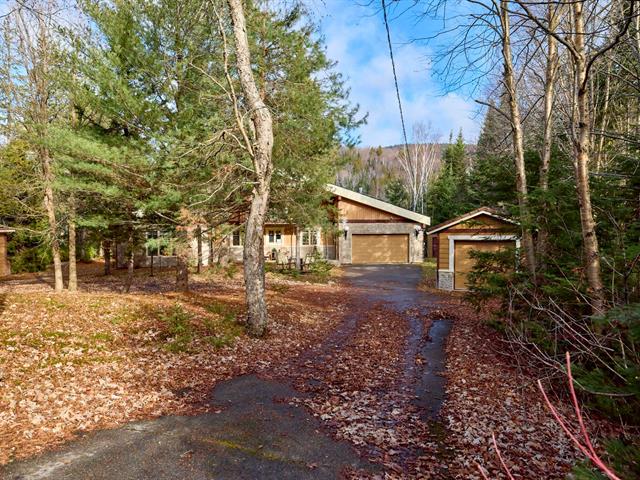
(469, 217)
(379, 204)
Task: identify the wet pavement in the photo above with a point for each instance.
(256, 433)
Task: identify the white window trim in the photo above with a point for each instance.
(317, 231)
(275, 231)
(241, 244)
(494, 238)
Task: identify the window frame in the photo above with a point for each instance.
(312, 237)
(275, 233)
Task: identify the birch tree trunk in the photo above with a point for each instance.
(261, 151)
(547, 141)
(518, 139)
(582, 149)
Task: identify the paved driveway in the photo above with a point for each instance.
(256, 435)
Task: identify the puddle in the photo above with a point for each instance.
(430, 386)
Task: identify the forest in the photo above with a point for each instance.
(118, 118)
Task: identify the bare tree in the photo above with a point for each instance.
(260, 148)
(584, 48)
(551, 69)
(510, 85)
(34, 34)
(418, 163)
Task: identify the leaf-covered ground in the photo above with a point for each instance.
(73, 363)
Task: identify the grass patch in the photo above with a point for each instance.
(182, 330)
(429, 270)
(279, 288)
(319, 271)
(179, 330)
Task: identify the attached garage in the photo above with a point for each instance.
(453, 241)
(380, 248)
(372, 231)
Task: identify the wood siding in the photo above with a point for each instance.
(480, 225)
(380, 249)
(354, 211)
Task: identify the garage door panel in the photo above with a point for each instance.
(379, 248)
(463, 263)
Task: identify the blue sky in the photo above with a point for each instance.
(356, 38)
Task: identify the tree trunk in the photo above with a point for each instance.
(106, 247)
(183, 250)
(581, 148)
(211, 252)
(199, 240)
(49, 206)
(518, 140)
(130, 264)
(261, 151)
(73, 275)
(547, 141)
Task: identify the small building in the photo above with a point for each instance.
(452, 242)
(5, 266)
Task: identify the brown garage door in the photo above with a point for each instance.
(463, 263)
(379, 248)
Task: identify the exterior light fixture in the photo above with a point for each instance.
(345, 228)
(417, 230)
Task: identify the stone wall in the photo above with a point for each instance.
(445, 280)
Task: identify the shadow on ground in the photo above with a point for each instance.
(254, 436)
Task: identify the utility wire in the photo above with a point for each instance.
(395, 78)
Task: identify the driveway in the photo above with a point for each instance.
(259, 431)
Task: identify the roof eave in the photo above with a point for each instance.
(379, 204)
(469, 216)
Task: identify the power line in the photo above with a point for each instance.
(395, 78)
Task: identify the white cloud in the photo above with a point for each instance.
(356, 38)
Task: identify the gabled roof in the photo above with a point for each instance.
(379, 204)
(468, 216)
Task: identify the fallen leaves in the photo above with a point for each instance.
(98, 359)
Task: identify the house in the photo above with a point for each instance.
(366, 231)
(5, 267)
(451, 242)
(363, 230)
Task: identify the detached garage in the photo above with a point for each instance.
(372, 231)
(452, 242)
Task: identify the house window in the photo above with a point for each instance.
(275, 237)
(309, 237)
(236, 240)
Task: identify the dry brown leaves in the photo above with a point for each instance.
(487, 394)
(72, 363)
